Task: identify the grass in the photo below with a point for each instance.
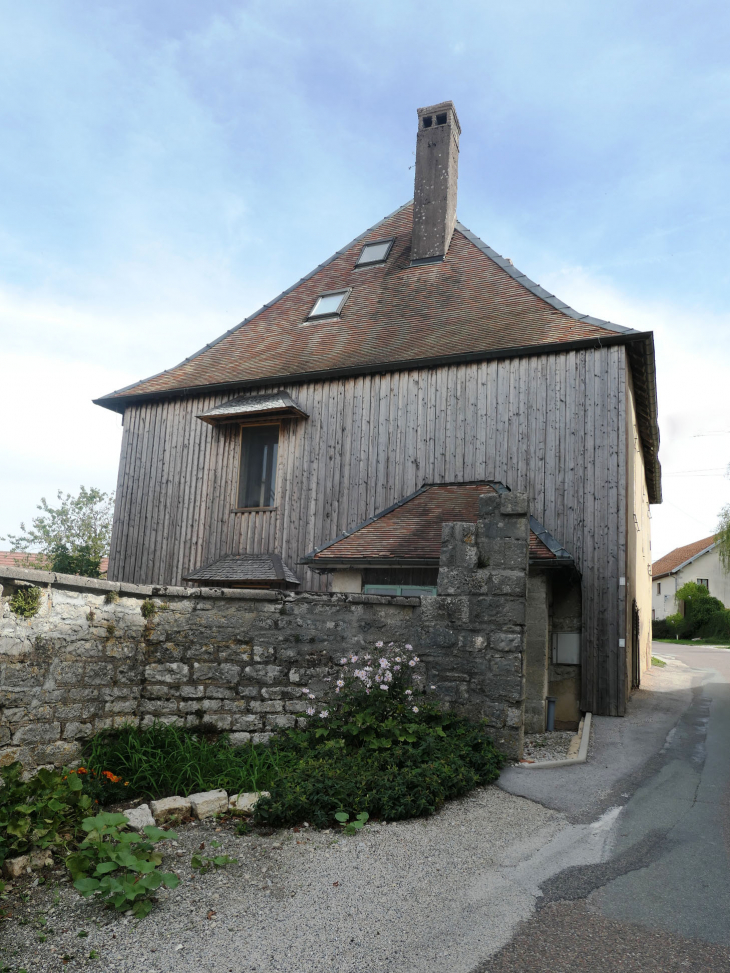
(657, 662)
(722, 643)
(162, 761)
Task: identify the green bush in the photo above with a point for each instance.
(717, 626)
(404, 781)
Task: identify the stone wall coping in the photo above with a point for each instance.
(51, 579)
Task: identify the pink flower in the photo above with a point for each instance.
(410, 648)
(415, 709)
(353, 658)
(383, 686)
(324, 714)
(310, 711)
(409, 692)
(343, 662)
(412, 663)
(378, 645)
(433, 687)
(396, 668)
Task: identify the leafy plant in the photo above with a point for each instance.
(352, 827)
(118, 865)
(26, 602)
(206, 863)
(148, 608)
(41, 813)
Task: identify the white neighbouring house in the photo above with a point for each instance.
(698, 562)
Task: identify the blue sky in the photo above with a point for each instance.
(167, 167)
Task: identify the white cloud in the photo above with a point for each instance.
(52, 437)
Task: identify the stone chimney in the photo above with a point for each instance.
(434, 197)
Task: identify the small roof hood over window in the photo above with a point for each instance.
(277, 405)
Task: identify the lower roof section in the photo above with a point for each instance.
(408, 534)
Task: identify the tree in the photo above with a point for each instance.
(699, 608)
(71, 538)
(722, 537)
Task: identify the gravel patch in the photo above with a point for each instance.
(423, 895)
(547, 746)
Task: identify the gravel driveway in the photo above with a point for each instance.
(417, 895)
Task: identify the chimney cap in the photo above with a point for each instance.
(442, 106)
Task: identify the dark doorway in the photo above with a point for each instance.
(635, 660)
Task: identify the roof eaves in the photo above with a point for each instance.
(128, 388)
(537, 289)
(549, 541)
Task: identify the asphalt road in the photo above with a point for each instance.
(659, 898)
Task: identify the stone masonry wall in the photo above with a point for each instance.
(237, 660)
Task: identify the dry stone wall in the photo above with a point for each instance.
(103, 654)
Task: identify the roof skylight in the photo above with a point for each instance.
(374, 253)
(329, 304)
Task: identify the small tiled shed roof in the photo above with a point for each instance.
(261, 570)
(681, 556)
(277, 405)
(409, 533)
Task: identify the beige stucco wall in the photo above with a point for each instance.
(638, 549)
(707, 565)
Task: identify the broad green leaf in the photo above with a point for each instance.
(86, 886)
(103, 867)
(341, 816)
(157, 834)
(142, 908)
(152, 881)
(74, 784)
(170, 880)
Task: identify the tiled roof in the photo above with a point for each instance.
(20, 559)
(276, 406)
(472, 302)
(410, 531)
(242, 568)
(680, 555)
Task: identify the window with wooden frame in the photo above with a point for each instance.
(257, 475)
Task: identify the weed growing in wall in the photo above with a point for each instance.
(148, 608)
(26, 602)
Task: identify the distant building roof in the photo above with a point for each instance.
(245, 570)
(409, 532)
(20, 559)
(680, 556)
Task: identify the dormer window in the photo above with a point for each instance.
(375, 253)
(329, 305)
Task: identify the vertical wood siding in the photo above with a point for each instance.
(553, 426)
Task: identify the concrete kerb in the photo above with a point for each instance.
(582, 756)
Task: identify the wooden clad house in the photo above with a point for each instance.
(414, 356)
